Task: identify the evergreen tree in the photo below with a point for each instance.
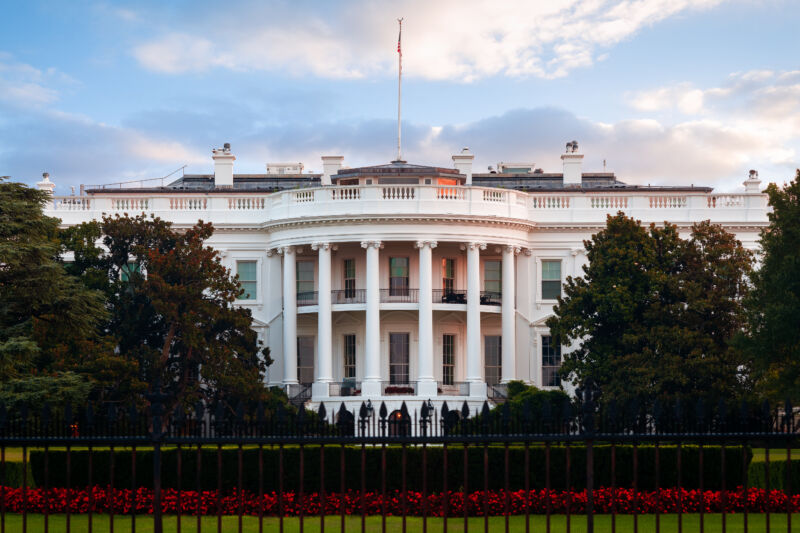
(653, 313)
(772, 338)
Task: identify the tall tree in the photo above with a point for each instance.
(42, 308)
(772, 338)
(653, 313)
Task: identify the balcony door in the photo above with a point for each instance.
(398, 358)
(398, 276)
(305, 359)
(492, 359)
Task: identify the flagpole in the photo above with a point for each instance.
(399, 90)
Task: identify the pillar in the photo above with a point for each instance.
(509, 342)
(477, 385)
(324, 361)
(371, 385)
(426, 384)
(289, 316)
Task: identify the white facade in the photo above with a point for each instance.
(409, 283)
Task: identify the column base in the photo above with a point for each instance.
(477, 389)
(320, 389)
(371, 388)
(427, 389)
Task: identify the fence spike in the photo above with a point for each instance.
(404, 409)
(464, 410)
(322, 413)
(362, 411)
(382, 412)
(506, 416)
(44, 417)
(423, 412)
(3, 416)
(788, 416)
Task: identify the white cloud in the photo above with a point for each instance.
(22, 85)
(447, 39)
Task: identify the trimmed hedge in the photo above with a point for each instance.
(756, 475)
(12, 475)
(291, 473)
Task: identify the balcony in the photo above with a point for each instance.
(400, 295)
(349, 296)
(347, 387)
(307, 298)
(456, 388)
(491, 298)
(449, 296)
(400, 389)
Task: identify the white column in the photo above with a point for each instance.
(509, 342)
(426, 385)
(371, 385)
(324, 362)
(289, 316)
(477, 385)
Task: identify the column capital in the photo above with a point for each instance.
(287, 250)
(509, 248)
(574, 252)
(422, 244)
(473, 245)
(324, 246)
(271, 252)
(527, 251)
(371, 244)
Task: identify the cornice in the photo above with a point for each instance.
(563, 227)
(515, 223)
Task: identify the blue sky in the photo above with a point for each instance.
(666, 91)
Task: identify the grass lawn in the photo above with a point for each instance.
(775, 454)
(669, 523)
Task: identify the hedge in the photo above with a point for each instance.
(757, 475)
(12, 475)
(291, 475)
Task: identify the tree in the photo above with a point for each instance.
(41, 306)
(172, 310)
(772, 337)
(653, 313)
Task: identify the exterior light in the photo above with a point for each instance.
(370, 409)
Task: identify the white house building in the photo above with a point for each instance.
(402, 282)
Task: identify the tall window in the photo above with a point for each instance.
(493, 369)
(551, 280)
(492, 277)
(305, 280)
(398, 276)
(448, 275)
(349, 357)
(247, 278)
(551, 362)
(398, 358)
(349, 278)
(448, 359)
(305, 359)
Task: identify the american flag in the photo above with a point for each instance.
(399, 36)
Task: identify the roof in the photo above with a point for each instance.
(241, 182)
(397, 168)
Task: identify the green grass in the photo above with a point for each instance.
(775, 454)
(144, 524)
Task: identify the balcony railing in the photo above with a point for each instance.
(491, 298)
(449, 296)
(389, 388)
(345, 388)
(400, 295)
(457, 388)
(306, 298)
(349, 296)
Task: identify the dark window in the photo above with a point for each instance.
(448, 359)
(398, 358)
(551, 362)
(551, 280)
(349, 357)
(398, 276)
(305, 359)
(448, 275)
(493, 359)
(349, 278)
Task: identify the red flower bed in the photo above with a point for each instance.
(101, 500)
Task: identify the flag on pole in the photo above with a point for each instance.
(399, 37)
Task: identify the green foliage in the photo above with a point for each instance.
(12, 474)
(209, 473)
(653, 313)
(35, 391)
(759, 472)
(519, 394)
(772, 339)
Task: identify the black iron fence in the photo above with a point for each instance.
(438, 462)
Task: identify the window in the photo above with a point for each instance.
(349, 278)
(492, 277)
(398, 358)
(305, 280)
(551, 280)
(349, 357)
(448, 359)
(398, 276)
(248, 279)
(551, 362)
(305, 359)
(493, 359)
(448, 275)
(129, 270)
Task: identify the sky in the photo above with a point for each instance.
(667, 92)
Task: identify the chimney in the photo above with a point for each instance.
(463, 163)
(752, 184)
(223, 166)
(572, 165)
(46, 184)
(330, 165)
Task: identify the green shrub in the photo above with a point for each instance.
(12, 475)
(757, 475)
(435, 461)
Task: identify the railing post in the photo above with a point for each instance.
(156, 399)
(588, 396)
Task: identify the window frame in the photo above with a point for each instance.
(550, 367)
(401, 290)
(451, 365)
(349, 283)
(298, 281)
(300, 368)
(448, 283)
(540, 278)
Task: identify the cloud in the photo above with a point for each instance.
(22, 85)
(443, 40)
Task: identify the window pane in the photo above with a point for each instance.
(492, 276)
(349, 268)
(247, 279)
(398, 276)
(551, 290)
(551, 362)
(551, 270)
(448, 274)
(492, 359)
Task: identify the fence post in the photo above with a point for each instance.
(156, 399)
(587, 396)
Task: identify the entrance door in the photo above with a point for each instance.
(398, 358)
